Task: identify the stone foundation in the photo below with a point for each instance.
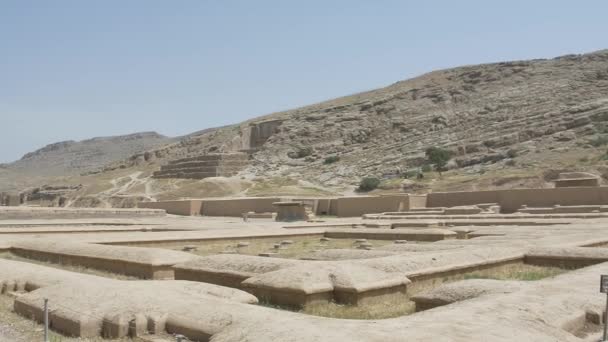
(9, 213)
(144, 263)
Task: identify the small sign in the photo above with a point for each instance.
(604, 284)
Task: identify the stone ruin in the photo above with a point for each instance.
(231, 158)
(256, 134)
(9, 199)
(210, 165)
(576, 179)
(293, 211)
(442, 257)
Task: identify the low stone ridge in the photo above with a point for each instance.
(313, 282)
(9, 213)
(301, 282)
(463, 290)
(412, 247)
(147, 263)
(228, 269)
(430, 234)
(345, 254)
(566, 256)
(558, 301)
(90, 306)
(565, 209)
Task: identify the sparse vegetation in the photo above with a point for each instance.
(300, 152)
(511, 153)
(517, 272)
(331, 160)
(410, 174)
(599, 141)
(368, 184)
(394, 306)
(380, 309)
(438, 157)
(284, 186)
(426, 168)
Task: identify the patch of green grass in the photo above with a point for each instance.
(517, 272)
(379, 309)
(387, 307)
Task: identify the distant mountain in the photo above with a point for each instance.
(74, 157)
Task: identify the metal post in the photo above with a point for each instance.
(605, 339)
(46, 320)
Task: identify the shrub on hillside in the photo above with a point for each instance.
(426, 168)
(368, 184)
(439, 157)
(599, 141)
(331, 159)
(300, 152)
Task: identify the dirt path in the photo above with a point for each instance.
(117, 189)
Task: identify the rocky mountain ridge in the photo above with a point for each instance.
(74, 157)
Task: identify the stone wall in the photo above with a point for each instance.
(512, 200)
(191, 207)
(359, 205)
(238, 206)
(319, 206)
(342, 206)
(417, 201)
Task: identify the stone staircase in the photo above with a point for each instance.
(210, 165)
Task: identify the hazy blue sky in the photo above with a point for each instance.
(83, 68)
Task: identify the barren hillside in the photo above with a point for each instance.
(74, 157)
(508, 124)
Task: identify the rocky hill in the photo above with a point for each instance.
(75, 157)
(507, 124)
(483, 113)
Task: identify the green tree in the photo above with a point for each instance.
(439, 157)
(368, 184)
